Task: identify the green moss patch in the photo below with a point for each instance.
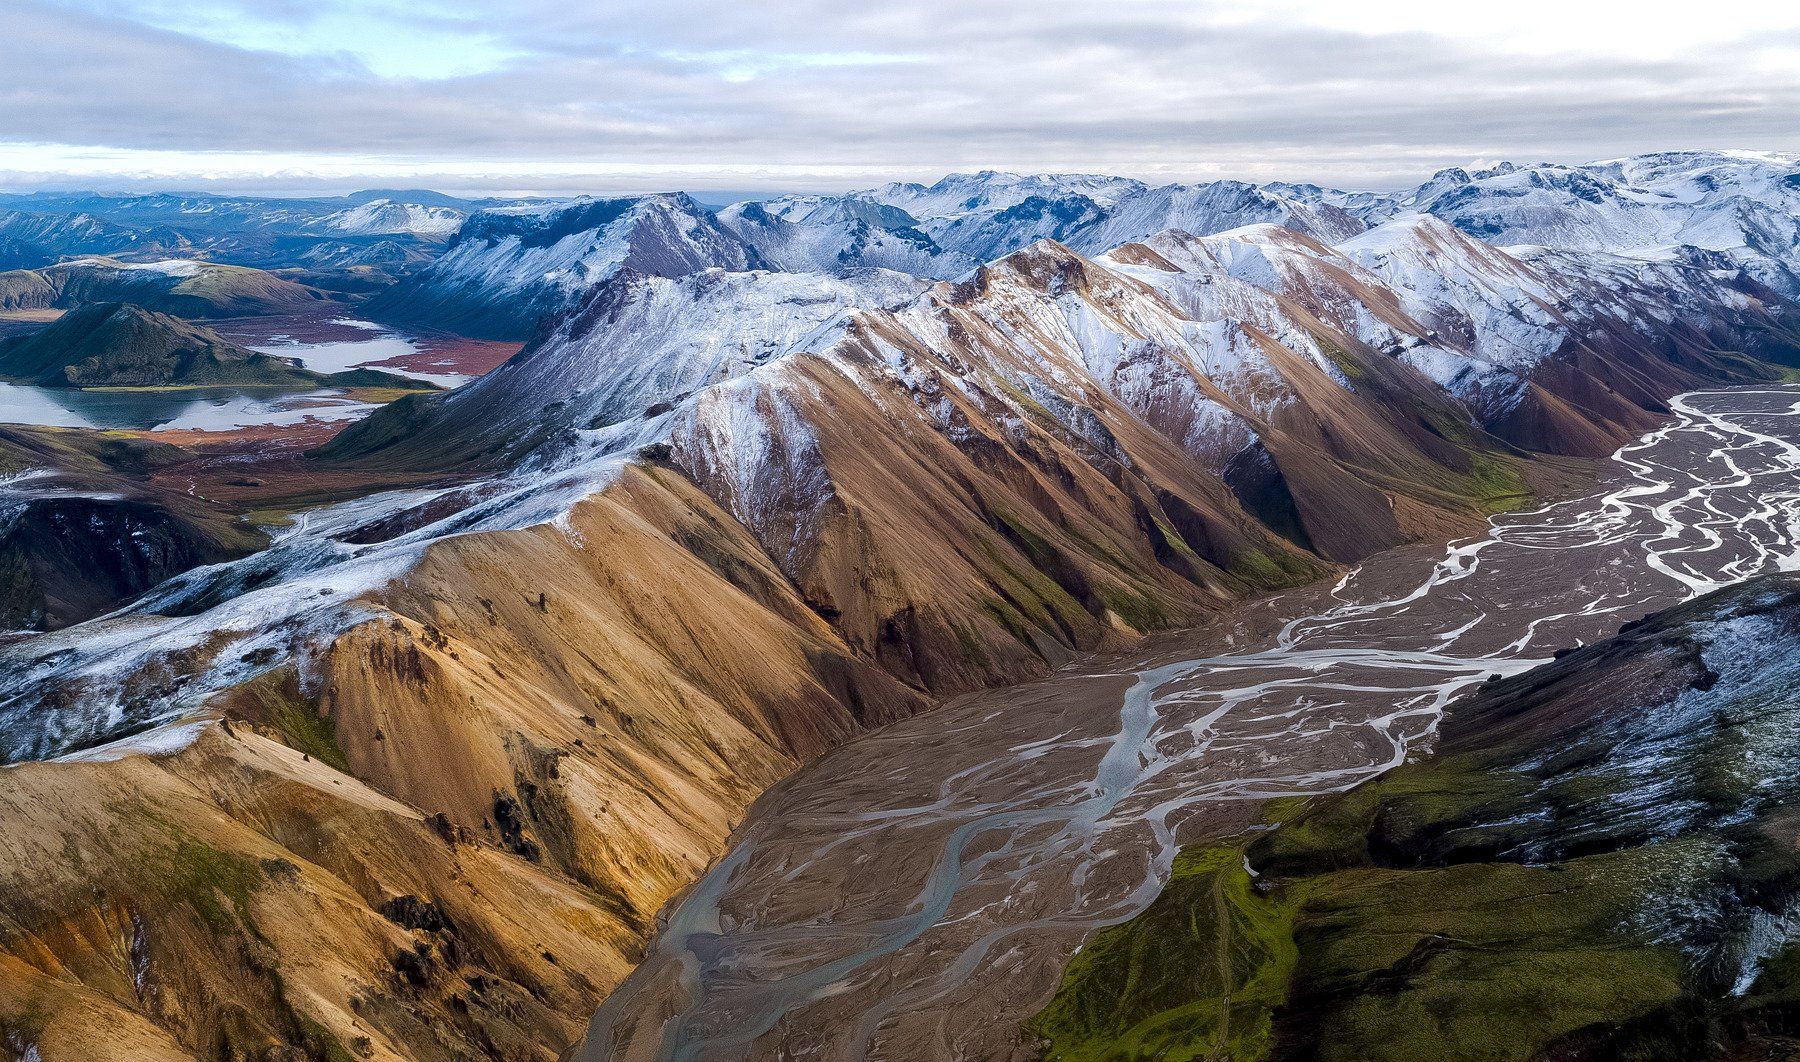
(1198, 975)
(273, 699)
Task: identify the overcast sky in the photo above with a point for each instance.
(751, 95)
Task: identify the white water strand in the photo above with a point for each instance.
(1076, 828)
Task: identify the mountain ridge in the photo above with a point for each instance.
(424, 771)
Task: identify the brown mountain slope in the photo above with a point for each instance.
(466, 849)
(804, 515)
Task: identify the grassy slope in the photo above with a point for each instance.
(1529, 892)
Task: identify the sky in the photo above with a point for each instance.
(607, 96)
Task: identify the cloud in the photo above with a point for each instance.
(745, 95)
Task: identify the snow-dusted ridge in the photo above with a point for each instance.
(383, 217)
(671, 340)
(1743, 205)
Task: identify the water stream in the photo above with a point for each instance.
(914, 894)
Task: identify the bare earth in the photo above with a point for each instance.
(915, 894)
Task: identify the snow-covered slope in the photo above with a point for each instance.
(1743, 205)
(1201, 209)
(639, 340)
(510, 266)
(828, 235)
(986, 215)
(384, 217)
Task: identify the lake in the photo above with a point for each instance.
(352, 344)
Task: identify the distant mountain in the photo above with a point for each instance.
(120, 345)
(388, 217)
(180, 286)
(945, 229)
(1742, 205)
(989, 214)
(39, 228)
(991, 191)
(829, 235)
(200, 213)
(510, 266)
(33, 239)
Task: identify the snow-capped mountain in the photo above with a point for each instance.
(1542, 348)
(383, 217)
(1742, 205)
(499, 281)
(815, 234)
(510, 266)
(991, 191)
(988, 214)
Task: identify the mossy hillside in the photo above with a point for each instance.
(1530, 892)
(273, 699)
(1198, 975)
(120, 346)
(1489, 960)
(216, 885)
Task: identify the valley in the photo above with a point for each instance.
(916, 892)
(628, 627)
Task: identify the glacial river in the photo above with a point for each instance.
(914, 894)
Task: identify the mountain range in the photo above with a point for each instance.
(418, 777)
(514, 264)
(386, 227)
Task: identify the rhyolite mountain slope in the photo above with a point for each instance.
(121, 345)
(1597, 860)
(1554, 352)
